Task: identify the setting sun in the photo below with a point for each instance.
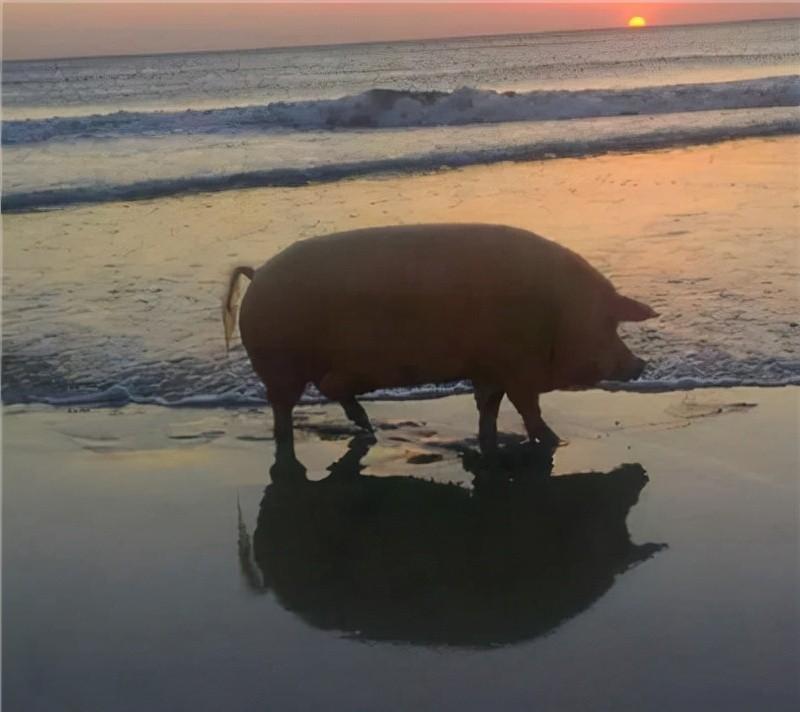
(637, 21)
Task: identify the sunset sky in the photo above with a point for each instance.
(38, 30)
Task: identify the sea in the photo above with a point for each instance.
(86, 131)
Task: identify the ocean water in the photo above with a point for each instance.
(93, 130)
(85, 130)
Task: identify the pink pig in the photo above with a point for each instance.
(386, 307)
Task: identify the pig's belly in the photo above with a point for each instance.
(381, 354)
(365, 373)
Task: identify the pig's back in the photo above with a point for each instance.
(409, 258)
(418, 292)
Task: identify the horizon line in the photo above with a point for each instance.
(168, 53)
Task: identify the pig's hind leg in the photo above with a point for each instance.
(287, 466)
(526, 402)
(488, 399)
(284, 388)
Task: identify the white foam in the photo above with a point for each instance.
(199, 384)
(118, 395)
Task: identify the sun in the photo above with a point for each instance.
(637, 21)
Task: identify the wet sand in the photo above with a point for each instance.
(132, 580)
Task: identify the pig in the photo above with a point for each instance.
(386, 307)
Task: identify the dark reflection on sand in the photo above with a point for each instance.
(408, 560)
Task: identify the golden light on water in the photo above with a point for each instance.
(637, 21)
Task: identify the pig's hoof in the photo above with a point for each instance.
(484, 459)
(547, 438)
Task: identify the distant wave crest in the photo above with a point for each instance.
(390, 108)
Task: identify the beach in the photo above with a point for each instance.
(151, 562)
(135, 582)
(142, 571)
(130, 587)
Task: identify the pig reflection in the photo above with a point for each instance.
(409, 560)
(353, 312)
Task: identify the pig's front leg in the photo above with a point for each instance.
(526, 401)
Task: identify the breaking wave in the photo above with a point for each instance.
(391, 108)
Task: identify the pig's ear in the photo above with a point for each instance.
(627, 309)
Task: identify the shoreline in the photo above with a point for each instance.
(442, 426)
(431, 392)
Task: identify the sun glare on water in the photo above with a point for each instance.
(637, 21)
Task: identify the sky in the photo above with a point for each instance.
(65, 29)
